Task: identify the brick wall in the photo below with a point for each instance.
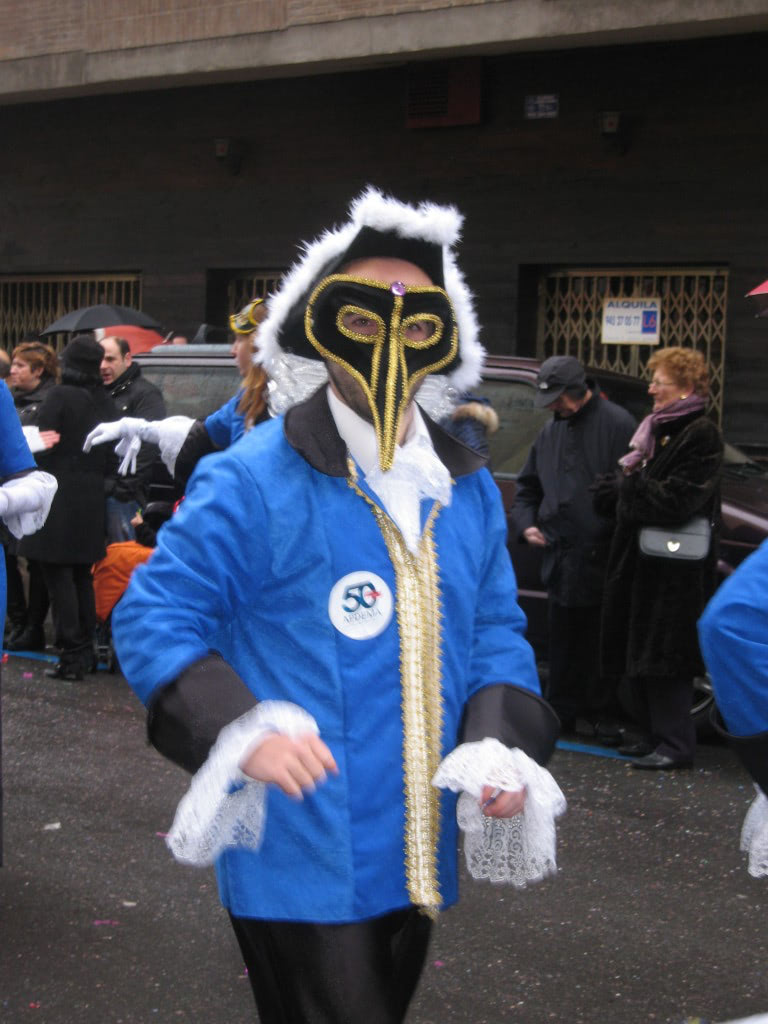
(130, 182)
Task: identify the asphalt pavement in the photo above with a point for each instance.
(651, 918)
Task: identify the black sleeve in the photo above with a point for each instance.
(528, 496)
(752, 751)
(197, 444)
(514, 716)
(186, 716)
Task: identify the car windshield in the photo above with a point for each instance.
(194, 391)
(519, 423)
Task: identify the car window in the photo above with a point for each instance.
(519, 424)
(194, 391)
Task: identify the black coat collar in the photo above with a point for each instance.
(310, 429)
(126, 378)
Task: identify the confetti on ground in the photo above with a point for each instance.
(27, 675)
(129, 903)
(162, 835)
(107, 922)
(52, 826)
(439, 963)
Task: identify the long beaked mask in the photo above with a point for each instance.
(388, 336)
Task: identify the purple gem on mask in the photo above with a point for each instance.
(397, 288)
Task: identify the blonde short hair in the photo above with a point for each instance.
(686, 366)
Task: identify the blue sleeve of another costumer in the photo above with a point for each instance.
(226, 425)
(15, 455)
(501, 653)
(733, 632)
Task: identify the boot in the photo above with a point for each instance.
(69, 666)
(31, 638)
(14, 625)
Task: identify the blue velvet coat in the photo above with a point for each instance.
(246, 568)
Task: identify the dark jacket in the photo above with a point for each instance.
(652, 604)
(134, 396)
(554, 493)
(73, 533)
(28, 403)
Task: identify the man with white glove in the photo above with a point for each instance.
(136, 397)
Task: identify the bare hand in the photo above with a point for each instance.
(505, 805)
(534, 536)
(50, 437)
(292, 763)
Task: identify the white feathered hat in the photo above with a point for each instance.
(378, 226)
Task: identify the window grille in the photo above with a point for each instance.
(245, 285)
(28, 304)
(693, 314)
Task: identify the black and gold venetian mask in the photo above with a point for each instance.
(388, 336)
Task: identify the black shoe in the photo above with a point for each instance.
(638, 749)
(659, 762)
(608, 734)
(29, 639)
(71, 672)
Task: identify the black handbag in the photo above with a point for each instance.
(689, 541)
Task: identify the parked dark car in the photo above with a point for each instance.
(196, 379)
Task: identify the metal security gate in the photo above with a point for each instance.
(693, 314)
(29, 303)
(250, 284)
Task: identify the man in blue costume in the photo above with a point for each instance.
(26, 494)
(328, 632)
(733, 633)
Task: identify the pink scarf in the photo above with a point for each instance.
(643, 443)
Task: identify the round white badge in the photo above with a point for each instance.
(360, 605)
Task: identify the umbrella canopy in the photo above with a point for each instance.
(759, 296)
(90, 317)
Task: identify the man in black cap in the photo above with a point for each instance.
(553, 510)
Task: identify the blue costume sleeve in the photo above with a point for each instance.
(15, 455)
(179, 599)
(500, 624)
(733, 633)
(226, 425)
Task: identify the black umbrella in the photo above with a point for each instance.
(90, 317)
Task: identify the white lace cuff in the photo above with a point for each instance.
(754, 835)
(26, 502)
(223, 807)
(514, 850)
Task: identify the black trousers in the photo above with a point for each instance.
(663, 708)
(73, 606)
(16, 609)
(575, 686)
(363, 973)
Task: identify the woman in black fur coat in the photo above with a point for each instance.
(651, 604)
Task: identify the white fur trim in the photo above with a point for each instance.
(440, 225)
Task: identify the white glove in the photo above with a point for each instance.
(26, 501)
(130, 431)
(33, 439)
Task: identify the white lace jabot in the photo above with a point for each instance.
(416, 473)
